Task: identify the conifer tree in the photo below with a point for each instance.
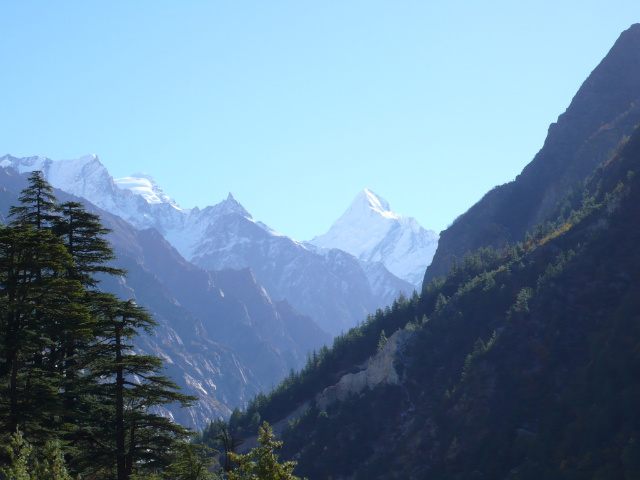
(61, 317)
(131, 387)
(28, 463)
(84, 237)
(37, 203)
(67, 368)
(261, 463)
(36, 303)
(191, 461)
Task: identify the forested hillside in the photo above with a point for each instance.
(522, 363)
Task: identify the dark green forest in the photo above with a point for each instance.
(522, 363)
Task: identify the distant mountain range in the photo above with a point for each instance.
(239, 304)
(335, 288)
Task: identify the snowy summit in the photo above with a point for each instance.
(369, 230)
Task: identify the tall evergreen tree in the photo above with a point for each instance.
(59, 326)
(67, 367)
(132, 387)
(36, 303)
(37, 203)
(84, 237)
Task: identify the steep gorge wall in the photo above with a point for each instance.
(605, 109)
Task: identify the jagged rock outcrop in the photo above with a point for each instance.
(380, 370)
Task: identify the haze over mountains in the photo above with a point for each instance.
(337, 290)
(239, 304)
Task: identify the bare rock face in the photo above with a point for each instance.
(379, 371)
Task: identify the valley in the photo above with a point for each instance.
(507, 346)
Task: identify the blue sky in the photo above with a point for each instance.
(295, 106)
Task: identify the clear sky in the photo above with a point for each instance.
(295, 106)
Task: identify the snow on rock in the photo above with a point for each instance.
(84, 177)
(370, 231)
(142, 184)
(331, 286)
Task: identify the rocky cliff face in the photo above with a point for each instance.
(605, 109)
(380, 370)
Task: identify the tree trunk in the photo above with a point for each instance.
(120, 432)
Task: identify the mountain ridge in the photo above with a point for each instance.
(522, 363)
(605, 109)
(221, 340)
(225, 235)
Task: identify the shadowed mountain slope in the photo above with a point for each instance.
(522, 364)
(605, 109)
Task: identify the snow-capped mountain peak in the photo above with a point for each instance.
(71, 168)
(368, 199)
(86, 177)
(332, 287)
(83, 176)
(143, 184)
(231, 205)
(371, 231)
